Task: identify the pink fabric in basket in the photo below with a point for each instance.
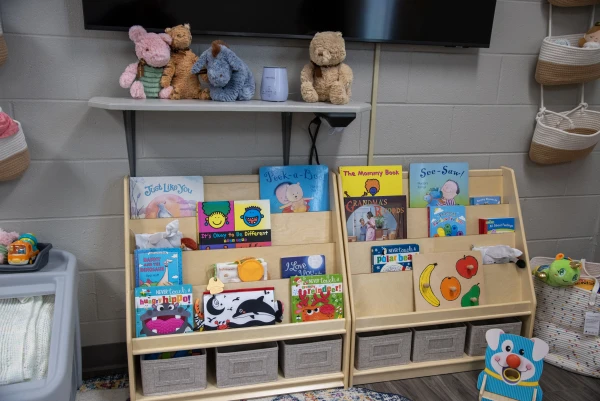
(8, 126)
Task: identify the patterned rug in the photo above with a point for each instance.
(112, 382)
(337, 394)
(121, 381)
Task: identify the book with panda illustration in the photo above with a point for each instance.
(295, 189)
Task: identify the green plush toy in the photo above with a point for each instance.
(561, 272)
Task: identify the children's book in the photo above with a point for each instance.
(234, 309)
(447, 221)
(295, 189)
(316, 298)
(252, 223)
(163, 310)
(439, 184)
(163, 197)
(371, 180)
(485, 200)
(393, 258)
(157, 267)
(302, 266)
(497, 225)
(375, 218)
(216, 225)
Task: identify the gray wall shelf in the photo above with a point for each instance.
(129, 106)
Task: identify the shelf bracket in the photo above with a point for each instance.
(129, 122)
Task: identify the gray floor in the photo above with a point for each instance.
(557, 385)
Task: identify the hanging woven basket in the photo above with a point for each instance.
(14, 155)
(564, 65)
(573, 3)
(564, 137)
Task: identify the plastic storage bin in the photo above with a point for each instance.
(175, 375)
(377, 349)
(310, 356)
(240, 365)
(476, 343)
(59, 277)
(433, 343)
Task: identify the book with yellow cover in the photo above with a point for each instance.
(358, 181)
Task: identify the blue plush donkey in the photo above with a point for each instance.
(229, 77)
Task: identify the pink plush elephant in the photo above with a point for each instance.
(153, 52)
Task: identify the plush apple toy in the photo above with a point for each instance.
(467, 266)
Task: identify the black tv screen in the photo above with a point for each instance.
(427, 22)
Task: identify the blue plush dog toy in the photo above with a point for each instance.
(229, 77)
(513, 366)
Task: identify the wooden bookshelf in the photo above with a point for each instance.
(385, 301)
(292, 235)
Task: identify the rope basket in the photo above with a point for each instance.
(563, 65)
(564, 137)
(573, 3)
(559, 321)
(14, 155)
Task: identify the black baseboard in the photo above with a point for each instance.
(103, 360)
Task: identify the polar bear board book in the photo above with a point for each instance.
(439, 184)
(294, 189)
(165, 197)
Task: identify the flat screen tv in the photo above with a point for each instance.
(465, 23)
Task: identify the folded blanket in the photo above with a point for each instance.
(25, 332)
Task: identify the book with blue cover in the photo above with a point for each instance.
(447, 221)
(157, 267)
(311, 265)
(163, 310)
(439, 184)
(393, 258)
(295, 189)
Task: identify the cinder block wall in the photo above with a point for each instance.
(435, 104)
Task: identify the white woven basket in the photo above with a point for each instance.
(14, 155)
(559, 321)
(566, 136)
(563, 65)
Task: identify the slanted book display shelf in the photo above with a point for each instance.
(292, 234)
(384, 301)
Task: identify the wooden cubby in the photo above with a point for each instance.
(385, 301)
(292, 235)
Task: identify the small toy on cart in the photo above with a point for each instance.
(23, 251)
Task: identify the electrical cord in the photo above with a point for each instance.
(313, 139)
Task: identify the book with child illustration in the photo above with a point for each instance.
(447, 221)
(163, 197)
(157, 267)
(439, 184)
(216, 225)
(252, 223)
(163, 310)
(295, 189)
(371, 180)
(375, 218)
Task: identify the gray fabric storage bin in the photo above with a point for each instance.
(476, 344)
(310, 356)
(377, 349)
(443, 341)
(240, 365)
(174, 375)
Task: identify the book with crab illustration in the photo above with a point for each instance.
(316, 298)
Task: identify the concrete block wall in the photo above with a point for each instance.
(435, 104)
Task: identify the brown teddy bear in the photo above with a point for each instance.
(178, 72)
(327, 78)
